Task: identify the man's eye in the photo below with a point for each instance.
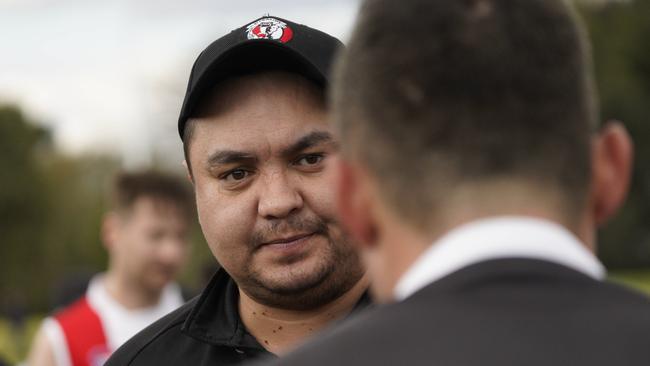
(236, 175)
(311, 159)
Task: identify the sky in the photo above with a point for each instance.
(109, 76)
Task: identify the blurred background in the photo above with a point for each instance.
(89, 87)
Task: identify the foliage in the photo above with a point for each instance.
(635, 279)
(51, 207)
(23, 207)
(620, 32)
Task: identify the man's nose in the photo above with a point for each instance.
(278, 197)
(173, 250)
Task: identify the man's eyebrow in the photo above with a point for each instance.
(223, 157)
(307, 141)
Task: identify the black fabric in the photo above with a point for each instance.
(310, 53)
(502, 312)
(207, 330)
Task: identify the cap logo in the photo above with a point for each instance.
(269, 28)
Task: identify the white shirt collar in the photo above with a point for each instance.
(493, 238)
(121, 323)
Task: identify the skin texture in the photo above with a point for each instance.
(147, 248)
(262, 170)
(280, 330)
(41, 353)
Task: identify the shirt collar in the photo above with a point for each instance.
(493, 238)
(99, 297)
(215, 320)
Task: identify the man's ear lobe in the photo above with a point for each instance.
(612, 158)
(354, 204)
(109, 228)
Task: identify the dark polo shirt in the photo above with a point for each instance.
(206, 330)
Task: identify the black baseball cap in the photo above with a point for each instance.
(267, 43)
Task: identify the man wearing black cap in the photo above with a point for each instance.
(258, 150)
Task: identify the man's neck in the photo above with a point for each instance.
(398, 258)
(128, 293)
(280, 330)
(400, 243)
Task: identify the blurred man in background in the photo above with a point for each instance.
(146, 234)
(475, 176)
(259, 151)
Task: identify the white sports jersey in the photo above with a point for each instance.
(118, 322)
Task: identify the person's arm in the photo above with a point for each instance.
(41, 352)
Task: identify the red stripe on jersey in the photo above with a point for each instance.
(84, 334)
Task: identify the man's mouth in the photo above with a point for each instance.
(288, 245)
(288, 240)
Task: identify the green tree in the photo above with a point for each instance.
(620, 32)
(23, 211)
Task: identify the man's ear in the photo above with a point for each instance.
(611, 170)
(188, 172)
(109, 230)
(354, 201)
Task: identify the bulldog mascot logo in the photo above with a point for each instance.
(269, 28)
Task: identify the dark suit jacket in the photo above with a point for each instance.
(499, 312)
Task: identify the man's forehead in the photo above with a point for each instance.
(153, 206)
(283, 142)
(265, 124)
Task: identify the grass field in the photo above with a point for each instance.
(638, 279)
(14, 343)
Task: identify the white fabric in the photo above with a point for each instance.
(56, 338)
(119, 323)
(493, 238)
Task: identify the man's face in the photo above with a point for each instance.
(151, 243)
(265, 197)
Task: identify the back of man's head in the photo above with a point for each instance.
(468, 94)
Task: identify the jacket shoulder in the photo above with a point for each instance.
(478, 321)
(129, 351)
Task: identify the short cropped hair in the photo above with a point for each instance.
(128, 187)
(436, 93)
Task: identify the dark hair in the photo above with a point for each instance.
(128, 187)
(467, 91)
(188, 134)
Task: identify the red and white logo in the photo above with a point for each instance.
(269, 28)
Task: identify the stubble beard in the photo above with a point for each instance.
(336, 273)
